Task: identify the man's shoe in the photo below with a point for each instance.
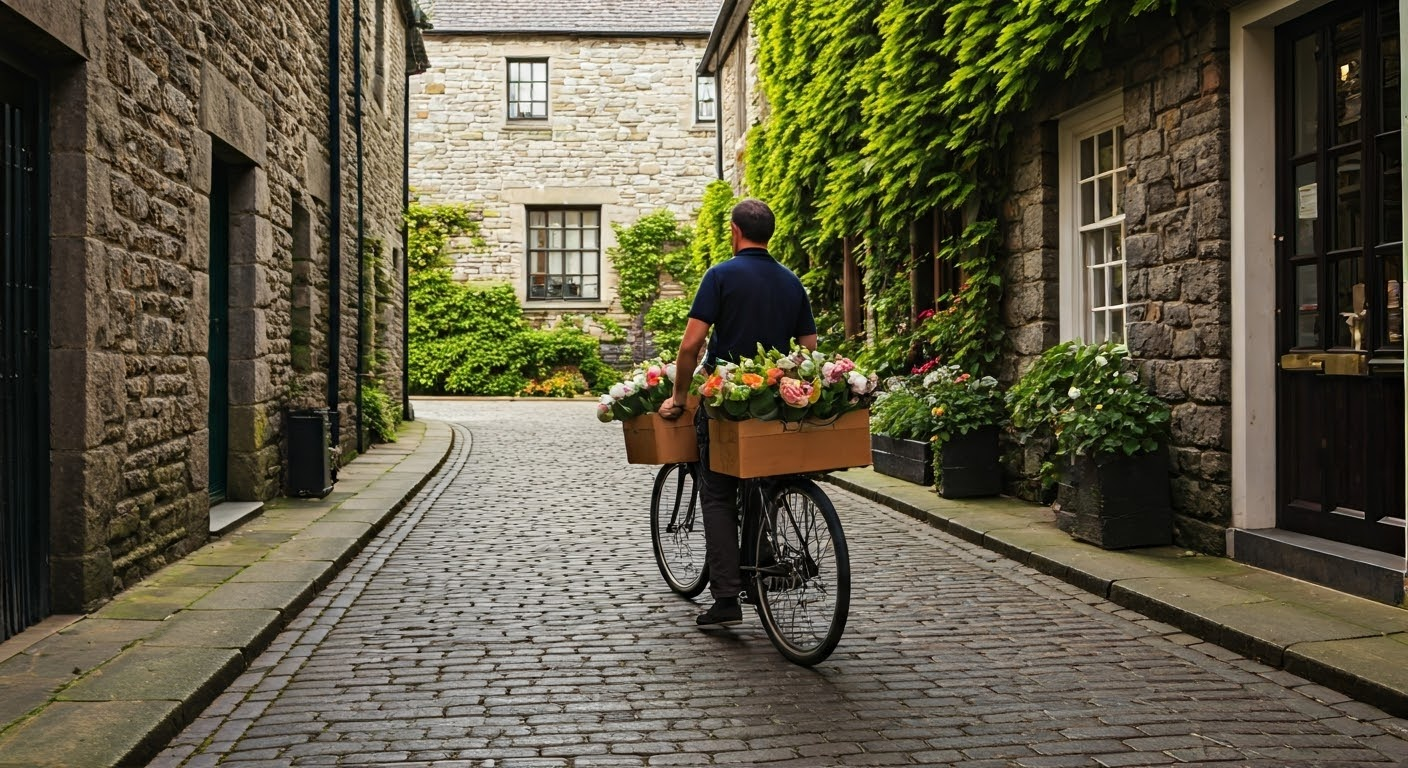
(721, 614)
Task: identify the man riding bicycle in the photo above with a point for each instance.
(748, 300)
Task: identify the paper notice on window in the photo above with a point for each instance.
(1308, 203)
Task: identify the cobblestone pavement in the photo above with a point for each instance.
(513, 616)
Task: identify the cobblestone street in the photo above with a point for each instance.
(512, 615)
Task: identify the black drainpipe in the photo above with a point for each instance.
(361, 231)
(335, 218)
(406, 258)
(719, 122)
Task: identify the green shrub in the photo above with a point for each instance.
(380, 414)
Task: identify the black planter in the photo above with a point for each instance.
(310, 470)
(1115, 501)
(969, 465)
(910, 460)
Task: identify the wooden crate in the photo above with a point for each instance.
(754, 448)
(653, 440)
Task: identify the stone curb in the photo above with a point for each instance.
(113, 687)
(1352, 645)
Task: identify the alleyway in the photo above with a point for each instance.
(513, 616)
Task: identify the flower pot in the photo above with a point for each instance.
(911, 460)
(1115, 501)
(653, 440)
(969, 467)
(755, 448)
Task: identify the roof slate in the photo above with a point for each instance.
(580, 17)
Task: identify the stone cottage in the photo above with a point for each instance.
(1226, 197)
(186, 189)
(558, 121)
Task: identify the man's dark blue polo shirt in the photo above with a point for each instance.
(751, 299)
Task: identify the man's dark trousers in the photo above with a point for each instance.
(718, 499)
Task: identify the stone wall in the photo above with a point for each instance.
(1173, 78)
(620, 135)
(146, 96)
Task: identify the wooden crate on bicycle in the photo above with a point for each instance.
(653, 440)
(754, 448)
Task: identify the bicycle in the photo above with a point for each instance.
(796, 567)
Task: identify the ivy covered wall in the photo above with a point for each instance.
(877, 113)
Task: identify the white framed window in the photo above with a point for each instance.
(1094, 285)
(704, 105)
(527, 89)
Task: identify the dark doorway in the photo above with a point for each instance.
(218, 352)
(24, 350)
(1340, 277)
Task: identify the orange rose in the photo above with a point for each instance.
(752, 380)
(711, 385)
(774, 376)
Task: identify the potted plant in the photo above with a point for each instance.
(968, 413)
(901, 424)
(1110, 459)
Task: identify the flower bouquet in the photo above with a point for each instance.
(787, 413)
(649, 438)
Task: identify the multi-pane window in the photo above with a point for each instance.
(704, 99)
(527, 89)
(564, 254)
(1100, 239)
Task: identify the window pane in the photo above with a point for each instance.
(554, 287)
(574, 218)
(540, 95)
(540, 262)
(1104, 197)
(574, 239)
(1119, 146)
(1349, 301)
(589, 218)
(1393, 274)
(555, 263)
(1098, 298)
(1307, 306)
(537, 219)
(1388, 54)
(1349, 84)
(589, 238)
(1094, 247)
(1390, 190)
(589, 287)
(574, 263)
(1117, 193)
(1087, 158)
(540, 72)
(1307, 207)
(1105, 156)
(1117, 325)
(1087, 203)
(1099, 331)
(555, 219)
(1349, 211)
(1307, 94)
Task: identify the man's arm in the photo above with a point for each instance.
(695, 333)
(808, 341)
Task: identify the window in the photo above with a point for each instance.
(704, 99)
(527, 89)
(564, 254)
(1093, 173)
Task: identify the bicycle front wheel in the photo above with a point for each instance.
(803, 578)
(677, 529)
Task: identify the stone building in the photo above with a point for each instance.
(186, 188)
(557, 122)
(1172, 200)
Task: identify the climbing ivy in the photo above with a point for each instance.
(640, 254)
(712, 242)
(883, 111)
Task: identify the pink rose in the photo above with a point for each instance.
(795, 393)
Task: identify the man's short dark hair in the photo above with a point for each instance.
(754, 219)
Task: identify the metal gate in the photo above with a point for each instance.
(24, 449)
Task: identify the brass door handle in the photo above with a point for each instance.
(1328, 363)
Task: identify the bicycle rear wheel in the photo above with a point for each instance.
(803, 578)
(677, 529)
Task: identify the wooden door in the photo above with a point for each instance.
(218, 351)
(1339, 276)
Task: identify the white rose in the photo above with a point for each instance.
(858, 383)
(618, 391)
(1073, 393)
(606, 400)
